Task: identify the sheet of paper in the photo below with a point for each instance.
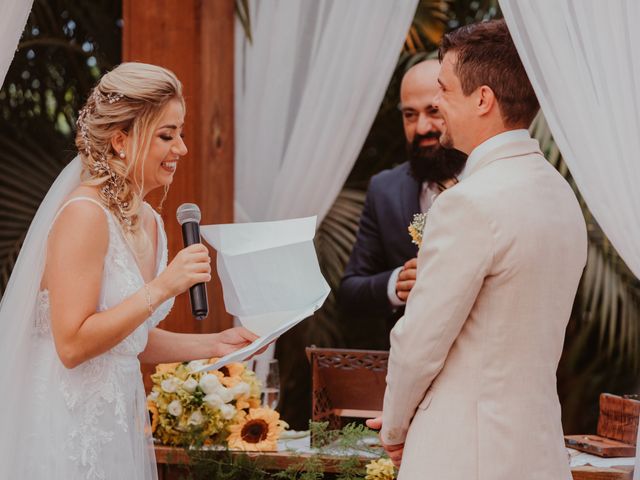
(270, 277)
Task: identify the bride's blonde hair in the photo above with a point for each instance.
(130, 99)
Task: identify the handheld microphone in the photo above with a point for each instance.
(188, 215)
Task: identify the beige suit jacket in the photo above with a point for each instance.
(471, 387)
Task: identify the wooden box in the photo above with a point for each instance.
(617, 428)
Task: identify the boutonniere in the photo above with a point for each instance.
(416, 227)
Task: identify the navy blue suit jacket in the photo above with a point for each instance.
(383, 244)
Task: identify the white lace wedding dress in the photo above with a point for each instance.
(91, 422)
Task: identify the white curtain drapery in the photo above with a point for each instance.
(307, 91)
(581, 57)
(13, 17)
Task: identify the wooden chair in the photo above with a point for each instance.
(346, 384)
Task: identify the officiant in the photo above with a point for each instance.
(382, 268)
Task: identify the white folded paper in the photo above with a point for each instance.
(270, 277)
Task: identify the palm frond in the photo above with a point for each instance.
(65, 47)
(428, 25)
(334, 241)
(26, 173)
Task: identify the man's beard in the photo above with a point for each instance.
(436, 163)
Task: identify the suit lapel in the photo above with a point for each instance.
(410, 196)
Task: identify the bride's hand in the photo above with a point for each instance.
(190, 266)
(232, 339)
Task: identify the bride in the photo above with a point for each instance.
(89, 288)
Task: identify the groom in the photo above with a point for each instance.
(471, 386)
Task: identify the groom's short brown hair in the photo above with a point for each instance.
(487, 56)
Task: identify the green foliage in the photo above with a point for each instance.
(223, 465)
(206, 464)
(434, 17)
(65, 47)
(308, 469)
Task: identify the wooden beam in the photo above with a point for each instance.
(194, 39)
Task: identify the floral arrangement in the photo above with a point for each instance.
(416, 227)
(352, 451)
(221, 407)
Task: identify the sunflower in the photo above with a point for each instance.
(234, 369)
(153, 410)
(231, 374)
(258, 430)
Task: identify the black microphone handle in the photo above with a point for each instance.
(198, 292)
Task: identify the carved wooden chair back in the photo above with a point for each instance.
(346, 383)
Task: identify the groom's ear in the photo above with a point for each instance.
(119, 141)
(485, 100)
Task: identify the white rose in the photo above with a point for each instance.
(225, 394)
(240, 388)
(196, 418)
(213, 400)
(209, 384)
(190, 385)
(195, 365)
(227, 411)
(153, 396)
(175, 408)
(170, 385)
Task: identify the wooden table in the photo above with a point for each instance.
(172, 463)
(169, 457)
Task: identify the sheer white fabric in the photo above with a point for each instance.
(13, 17)
(89, 422)
(583, 63)
(307, 91)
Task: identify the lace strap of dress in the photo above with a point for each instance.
(80, 198)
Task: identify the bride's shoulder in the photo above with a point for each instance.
(82, 212)
(84, 192)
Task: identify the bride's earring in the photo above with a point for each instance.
(122, 154)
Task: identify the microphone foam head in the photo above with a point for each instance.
(188, 212)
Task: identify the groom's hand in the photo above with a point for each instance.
(394, 451)
(406, 279)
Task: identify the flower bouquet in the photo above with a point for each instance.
(211, 408)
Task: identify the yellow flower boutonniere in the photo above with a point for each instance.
(416, 227)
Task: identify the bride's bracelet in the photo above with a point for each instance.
(147, 294)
